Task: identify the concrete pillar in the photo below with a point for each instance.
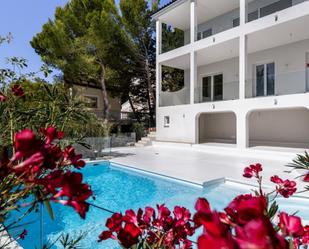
(193, 76)
(242, 131)
(158, 66)
(242, 66)
(158, 37)
(193, 21)
(242, 12)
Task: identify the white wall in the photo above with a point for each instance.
(290, 68)
(230, 69)
(180, 97)
(217, 127)
(279, 127)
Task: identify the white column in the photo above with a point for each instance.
(242, 131)
(193, 75)
(242, 66)
(158, 66)
(158, 37)
(242, 11)
(193, 21)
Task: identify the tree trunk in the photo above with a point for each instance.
(150, 93)
(133, 109)
(106, 106)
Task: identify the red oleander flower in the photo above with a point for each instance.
(259, 234)
(75, 160)
(76, 192)
(52, 182)
(253, 170)
(73, 188)
(3, 98)
(114, 223)
(81, 207)
(216, 235)
(149, 214)
(128, 236)
(51, 134)
(17, 90)
(25, 144)
(284, 187)
(306, 178)
(245, 208)
(291, 225)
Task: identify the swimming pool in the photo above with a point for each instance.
(119, 189)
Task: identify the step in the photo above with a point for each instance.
(146, 139)
(152, 136)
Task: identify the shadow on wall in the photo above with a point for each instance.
(217, 127)
(280, 127)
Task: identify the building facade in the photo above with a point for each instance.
(245, 67)
(92, 95)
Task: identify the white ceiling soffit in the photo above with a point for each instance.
(219, 52)
(181, 62)
(279, 35)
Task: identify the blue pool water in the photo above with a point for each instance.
(119, 189)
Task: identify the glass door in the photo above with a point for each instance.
(265, 79)
(212, 88)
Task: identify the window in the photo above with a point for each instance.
(236, 22)
(265, 79)
(207, 33)
(91, 102)
(218, 87)
(212, 88)
(204, 34)
(167, 121)
(206, 89)
(253, 16)
(274, 7)
(199, 36)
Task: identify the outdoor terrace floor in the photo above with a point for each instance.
(204, 165)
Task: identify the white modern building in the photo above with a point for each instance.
(245, 66)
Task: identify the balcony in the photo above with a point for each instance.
(212, 18)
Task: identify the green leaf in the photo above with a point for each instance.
(49, 209)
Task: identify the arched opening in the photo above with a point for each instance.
(217, 128)
(279, 128)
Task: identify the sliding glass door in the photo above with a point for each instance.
(212, 88)
(265, 79)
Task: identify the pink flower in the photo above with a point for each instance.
(290, 225)
(306, 178)
(245, 208)
(253, 170)
(128, 236)
(51, 134)
(3, 98)
(25, 143)
(72, 158)
(284, 187)
(259, 234)
(115, 222)
(17, 90)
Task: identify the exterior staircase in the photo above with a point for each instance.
(146, 141)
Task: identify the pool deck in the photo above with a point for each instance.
(206, 164)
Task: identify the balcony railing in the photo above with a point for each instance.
(285, 83)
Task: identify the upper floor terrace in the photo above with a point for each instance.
(184, 22)
(242, 58)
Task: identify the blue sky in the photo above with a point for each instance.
(24, 18)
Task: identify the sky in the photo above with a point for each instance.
(24, 19)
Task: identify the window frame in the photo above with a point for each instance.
(87, 96)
